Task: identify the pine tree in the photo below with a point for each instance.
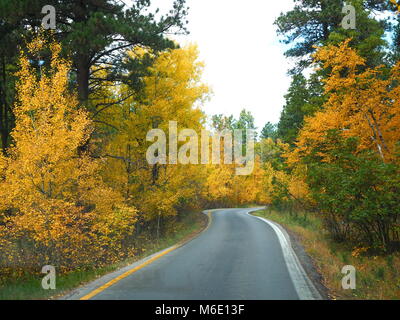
(293, 113)
(98, 32)
(312, 23)
(269, 131)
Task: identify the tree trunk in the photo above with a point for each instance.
(158, 227)
(83, 79)
(4, 108)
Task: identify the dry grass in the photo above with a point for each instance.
(378, 277)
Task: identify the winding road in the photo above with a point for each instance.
(238, 257)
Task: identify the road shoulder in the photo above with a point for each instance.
(305, 260)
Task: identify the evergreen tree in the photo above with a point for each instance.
(292, 116)
(269, 131)
(96, 33)
(219, 122)
(313, 23)
(245, 121)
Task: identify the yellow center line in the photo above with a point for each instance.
(137, 268)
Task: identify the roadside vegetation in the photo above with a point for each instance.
(378, 276)
(27, 286)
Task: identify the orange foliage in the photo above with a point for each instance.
(362, 103)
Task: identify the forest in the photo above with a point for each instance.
(77, 103)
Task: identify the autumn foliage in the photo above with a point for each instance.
(351, 149)
(77, 190)
(55, 207)
(362, 103)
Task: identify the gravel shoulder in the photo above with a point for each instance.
(308, 264)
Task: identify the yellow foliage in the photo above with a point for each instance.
(224, 187)
(172, 92)
(53, 198)
(361, 104)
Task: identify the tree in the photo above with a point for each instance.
(9, 41)
(172, 92)
(394, 55)
(269, 131)
(350, 148)
(359, 105)
(368, 37)
(53, 200)
(219, 122)
(356, 193)
(294, 111)
(246, 121)
(312, 23)
(96, 33)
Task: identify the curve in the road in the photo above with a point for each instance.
(238, 257)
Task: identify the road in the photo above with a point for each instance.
(238, 257)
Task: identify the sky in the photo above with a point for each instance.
(245, 63)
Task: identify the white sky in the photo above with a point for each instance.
(245, 65)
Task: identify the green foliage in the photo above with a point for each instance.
(367, 38)
(394, 55)
(292, 115)
(303, 99)
(95, 35)
(307, 25)
(357, 194)
(246, 120)
(313, 23)
(219, 122)
(9, 40)
(269, 131)
(98, 32)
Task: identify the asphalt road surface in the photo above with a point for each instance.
(239, 257)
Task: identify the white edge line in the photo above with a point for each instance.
(302, 283)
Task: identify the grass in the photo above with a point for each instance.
(378, 277)
(29, 287)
